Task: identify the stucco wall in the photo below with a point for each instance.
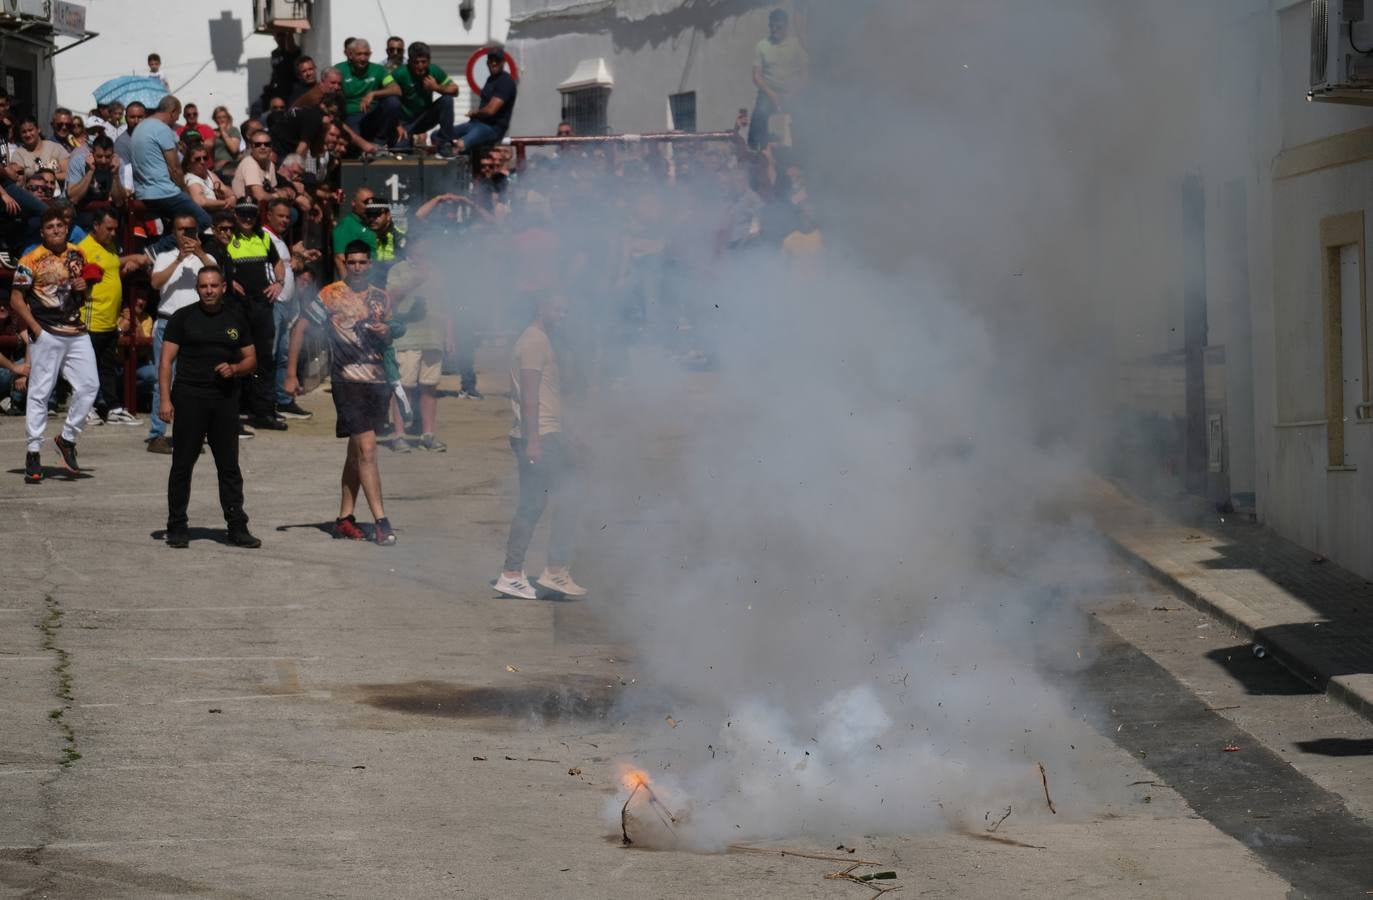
(650, 59)
(209, 53)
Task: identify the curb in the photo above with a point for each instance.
(1352, 691)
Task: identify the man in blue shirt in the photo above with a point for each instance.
(488, 123)
(157, 177)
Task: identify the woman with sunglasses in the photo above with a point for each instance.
(76, 135)
(228, 141)
(204, 186)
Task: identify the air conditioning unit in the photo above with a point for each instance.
(269, 15)
(1341, 52)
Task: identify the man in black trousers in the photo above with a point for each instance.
(212, 347)
(258, 276)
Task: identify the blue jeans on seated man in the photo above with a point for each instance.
(475, 134)
(439, 113)
(378, 124)
(168, 208)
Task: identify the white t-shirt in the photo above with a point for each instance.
(179, 291)
(206, 184)
(288, 284)
(533, 351)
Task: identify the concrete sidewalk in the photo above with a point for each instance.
(1304, 611)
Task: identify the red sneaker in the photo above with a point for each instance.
(348, 530)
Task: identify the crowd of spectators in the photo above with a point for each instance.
(627, 232)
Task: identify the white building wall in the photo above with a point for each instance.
(212, 57)
(1329, 512)
(209, 52)
(648, 63)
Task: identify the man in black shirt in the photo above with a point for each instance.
(259, 272)
(211, 346)
(489, 122)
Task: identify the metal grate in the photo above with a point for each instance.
(1320, 41)
(586, 110)
(683, 110)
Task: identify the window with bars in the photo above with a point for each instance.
(586, 110)
(682, 108)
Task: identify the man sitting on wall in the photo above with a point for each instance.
(419, 81)
(489, 122)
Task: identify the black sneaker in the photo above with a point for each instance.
(266, 423)
(240, 536)
(383, 534)
(67, 450)
(178, 538)
(33, 468)
(293, 410)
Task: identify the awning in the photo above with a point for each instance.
(39, 22)
(589, 73)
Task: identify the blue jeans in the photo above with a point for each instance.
(283, 315)
(169, 208)
(474, 134)
(439, 113)
(158, 428)
(378, 124)
(29, 205)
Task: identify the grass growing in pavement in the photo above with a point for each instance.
(50, 624)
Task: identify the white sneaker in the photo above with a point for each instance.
(121, 416)
(519, 588)
(93, 418)
(560, 584)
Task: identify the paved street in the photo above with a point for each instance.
(328, 719)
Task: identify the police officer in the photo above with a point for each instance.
(211, 346)
(259, 272)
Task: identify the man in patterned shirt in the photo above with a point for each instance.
(357, 316)
(48, 298)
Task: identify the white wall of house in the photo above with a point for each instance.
(1329, 511)
(211, 55)
(712, 56)
(209, 52)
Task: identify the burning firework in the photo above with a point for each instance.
(636, 781)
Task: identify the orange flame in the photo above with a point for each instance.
(633, 778)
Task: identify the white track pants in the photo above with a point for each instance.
(72, 357)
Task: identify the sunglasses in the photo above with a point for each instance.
(196, 159)
(262, 143)
(61, 126)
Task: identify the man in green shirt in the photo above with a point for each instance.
(371, 97)
(419, 82)
(353, 227)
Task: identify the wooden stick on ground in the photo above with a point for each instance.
(1044, 778)
(782, 851)
(624, 815)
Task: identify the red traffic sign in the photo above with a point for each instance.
(472, 67)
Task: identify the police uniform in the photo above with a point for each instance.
(254, 255)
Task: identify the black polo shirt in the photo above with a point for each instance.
(204, 341)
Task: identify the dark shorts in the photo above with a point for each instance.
(361, 406)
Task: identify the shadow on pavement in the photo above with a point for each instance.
(1264, 677)
(1337, 747)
